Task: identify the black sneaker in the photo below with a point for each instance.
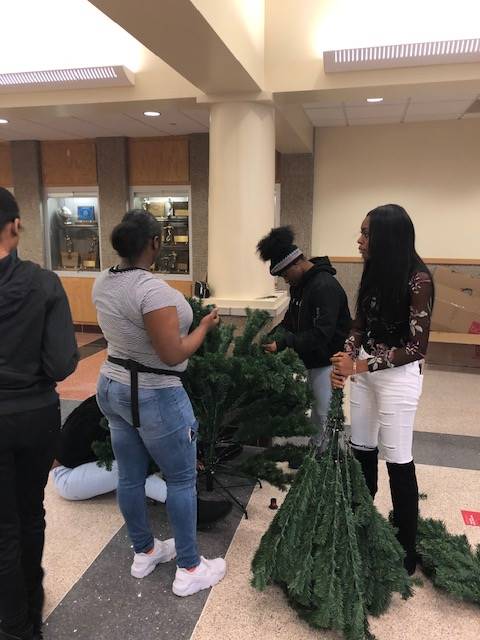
(210, 511)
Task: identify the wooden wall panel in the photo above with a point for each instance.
(79, 294)
(184, 286)
(156, 161)
(69, 163)
(6, 174)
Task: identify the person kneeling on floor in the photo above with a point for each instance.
(77, 475)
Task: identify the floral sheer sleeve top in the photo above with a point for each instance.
(393, 344)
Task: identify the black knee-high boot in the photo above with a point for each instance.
(369, 463)
(404, 490)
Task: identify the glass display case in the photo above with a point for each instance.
(171, 207)
(72, 230)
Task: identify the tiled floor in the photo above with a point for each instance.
(429, 615)
(86, 338)
(83, 382)
(87, 552)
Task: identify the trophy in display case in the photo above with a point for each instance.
(172, 261)
(69, 256)
(163, 264)
(65, 216)
(168, 234)
(169, 208)
(90, 262)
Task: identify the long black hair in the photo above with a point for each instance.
(391, 260)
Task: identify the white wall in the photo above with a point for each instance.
(432, 169)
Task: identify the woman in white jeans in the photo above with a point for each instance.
(384, 356)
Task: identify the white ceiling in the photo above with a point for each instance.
(399, 109)
(37, 124)
(185, 117)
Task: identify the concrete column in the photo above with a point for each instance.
(112, 172)
(198, 146)
(27, 182)
(241, 200)
(296, 204)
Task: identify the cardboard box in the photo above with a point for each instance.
(457, 302)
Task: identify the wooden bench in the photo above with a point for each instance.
(454, 338)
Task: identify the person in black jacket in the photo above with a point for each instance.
(317, 321)
(37, 348)
(77, 476)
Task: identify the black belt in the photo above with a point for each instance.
(135, 368)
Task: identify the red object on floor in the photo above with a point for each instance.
(273, 503)
(471, 517)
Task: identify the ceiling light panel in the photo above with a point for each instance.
(354, 121)
(439, 107)
(381, 110)
(402, 55)
(55, 79)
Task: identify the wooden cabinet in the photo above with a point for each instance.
(184, 286)
(6, 175)
(154, 161)
(69, 163)
(79, 294)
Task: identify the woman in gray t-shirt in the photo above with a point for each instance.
(146, 324)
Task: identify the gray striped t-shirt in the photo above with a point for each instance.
(122, 299)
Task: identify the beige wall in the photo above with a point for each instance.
(298, 31)
(241, 26)
(432, 169)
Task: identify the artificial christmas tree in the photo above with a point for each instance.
(449, 561)
(336, 557)
(242, 395)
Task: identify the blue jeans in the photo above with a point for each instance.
(168, 435)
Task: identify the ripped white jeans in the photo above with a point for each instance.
(383, 405)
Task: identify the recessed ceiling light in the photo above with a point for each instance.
(151, 114)
(3, 121)
(374, 99)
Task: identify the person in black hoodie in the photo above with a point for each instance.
(37, 348)
(317, 321)
(77, 476)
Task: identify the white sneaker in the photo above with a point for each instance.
(206, 575)
(145, 563)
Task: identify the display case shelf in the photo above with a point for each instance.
(72, 230)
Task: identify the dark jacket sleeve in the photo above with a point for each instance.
(286, 324)
(324, 307)
(59, 347)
